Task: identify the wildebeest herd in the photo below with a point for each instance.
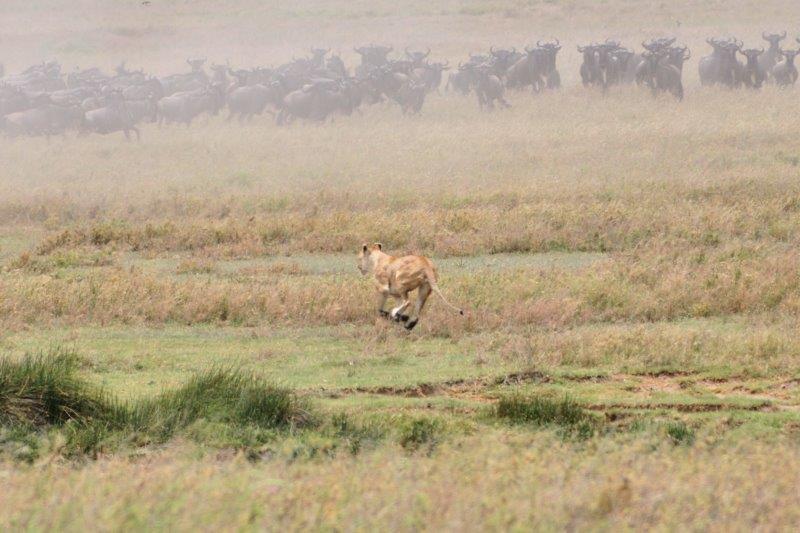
(42, 100)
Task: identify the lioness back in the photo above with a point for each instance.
(408, 273)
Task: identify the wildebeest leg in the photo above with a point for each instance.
(422, 296)
(397, 312)
(127, 134)
(136, 131)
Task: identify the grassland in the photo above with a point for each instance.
(629, 267)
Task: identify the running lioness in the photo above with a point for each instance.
(398, 276)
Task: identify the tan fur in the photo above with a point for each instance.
(399, 276)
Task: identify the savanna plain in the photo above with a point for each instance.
(210, 358)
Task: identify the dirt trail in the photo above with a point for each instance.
(638, 391)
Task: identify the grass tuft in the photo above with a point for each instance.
(543, 411)
(41, 390)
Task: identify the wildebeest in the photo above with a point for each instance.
(721, 66)
(661, 75)
(528, 70)
(549, 68)
(772, 55)
(315, 101)
(460, 81)
(785, 72)
(430, 74)
(753, 75)
(250, 100)
(410, 96)
(417, 58)
(184, 107)
(112, 118)
(44, 119)
(371, 56)
(488, 86)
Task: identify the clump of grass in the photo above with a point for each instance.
(196, 266)
(542, 411)
(41, 390)
(420, 433)
(680, 434)
(219, 396)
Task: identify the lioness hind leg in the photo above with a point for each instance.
(397, 312)
(422, 297)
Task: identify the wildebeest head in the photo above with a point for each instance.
(789, 55)
(751, 54)
(335, 64)
(678, 55)
(196, 64)
(774, 39)
(318, 56)
(417, 58)
(373, 55)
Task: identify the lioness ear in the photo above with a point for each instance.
(379, 246)
(365, 247)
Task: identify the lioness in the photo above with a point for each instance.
(398, 276)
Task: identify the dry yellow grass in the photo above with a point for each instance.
(495, 481)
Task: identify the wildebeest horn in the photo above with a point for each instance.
(531, 50)
(687, 54)
(491, 51)
(558, 43)
(446, 63)
(581, 49)
(783, 35)
(539, 43)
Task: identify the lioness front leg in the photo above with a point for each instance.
(382, 296)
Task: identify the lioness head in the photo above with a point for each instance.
(364, 262)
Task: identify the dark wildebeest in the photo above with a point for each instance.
(661, 75)
(549, 68)
(488, 86)
(753, 75)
